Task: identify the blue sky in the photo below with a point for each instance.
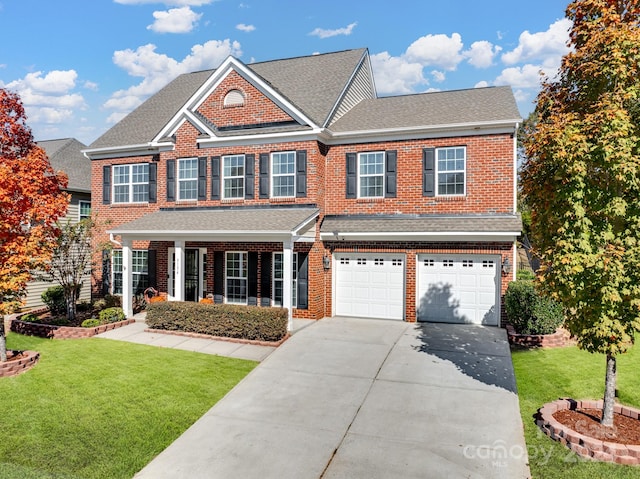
(81, 65)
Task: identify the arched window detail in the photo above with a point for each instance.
(234, 98)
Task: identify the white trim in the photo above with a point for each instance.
(466, 236)
(294, 272)
(251, 140)
(80, 203)
(437, 172)
(245, 269)
(130, 184)
(186, 180)
(359, 175)
(272, 175)
(243, 177)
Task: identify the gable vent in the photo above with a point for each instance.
(234, 98)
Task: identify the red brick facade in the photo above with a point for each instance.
(489, 179)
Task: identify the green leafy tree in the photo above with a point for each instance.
(582, 181)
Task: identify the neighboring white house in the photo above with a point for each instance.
(66, 155)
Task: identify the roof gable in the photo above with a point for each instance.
(66, 155)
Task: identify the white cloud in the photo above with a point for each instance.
(175, 20)
(157, 69)
(541, 45)
(438, 76)
(245, 28)
(481, 84)
(396, 75)
(481, 54)
(54, 82)
(177, 3)
(116, 117)
(526, 76)
(49, 115)
(89, 85)
(436, 50)
(322, 33)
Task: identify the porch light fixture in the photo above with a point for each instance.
(506, 266)
(326, 262)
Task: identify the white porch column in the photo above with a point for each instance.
(127, 278)
(178, 271)
(287, 279)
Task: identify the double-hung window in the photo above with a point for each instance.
(233, 170)
(283, 174)
(84, 210)
(139, 271)
(371, 174)
(188, 179)
(278, 279)
(236, 277)
(131, 183)
(450, 164)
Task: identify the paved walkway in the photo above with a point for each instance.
(361, 398)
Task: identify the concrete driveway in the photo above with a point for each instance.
(363, 398)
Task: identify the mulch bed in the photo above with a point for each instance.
(625, 430)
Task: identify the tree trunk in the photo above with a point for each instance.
(3, 342)
(609, 391)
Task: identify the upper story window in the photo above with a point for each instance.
(451, 170)
(283, 174)
(233, 172)
(188, 179)
(234, 98)
(84, 210)
(371, 175)
(131, 183)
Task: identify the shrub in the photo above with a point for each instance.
(99, 304)
(53, 297)
(84, 306)
(525, 274)
(90, 323)
(233, 321)
(30, 317)
(112, 301)
(111, 315)
(529, 312)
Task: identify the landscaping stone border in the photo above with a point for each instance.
(559, 339)
(219, 338)
(13, 368)
(586, 446)
(62, 332)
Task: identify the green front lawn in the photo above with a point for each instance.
(98, 408)
(544, 375)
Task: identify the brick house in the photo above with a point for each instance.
(290, 183)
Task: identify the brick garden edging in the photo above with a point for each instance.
(559, 339)
(219, 338)
(62, 332)
(13, 368)
(586, 446)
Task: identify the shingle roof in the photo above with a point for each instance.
(422, 224)
(66, 155)
(475, 105)
(313, 84)
(220, 220)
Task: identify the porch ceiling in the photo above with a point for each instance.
(224, 224)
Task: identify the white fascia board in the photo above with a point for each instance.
(305, 223)
(230, 236)
(423, 132)
(127, 150)
(500, 236)
(244, 140)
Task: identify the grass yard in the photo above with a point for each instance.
(98, 408)
(545, 375)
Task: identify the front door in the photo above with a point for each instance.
(194, 277)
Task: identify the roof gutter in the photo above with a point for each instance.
(127, 150)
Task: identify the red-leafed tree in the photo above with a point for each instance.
(31, 201)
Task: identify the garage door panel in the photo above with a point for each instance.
(459, 288)
(370, 285)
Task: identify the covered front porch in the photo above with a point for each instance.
(229, 254)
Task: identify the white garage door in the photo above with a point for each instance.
(459, 288)
(369, 285)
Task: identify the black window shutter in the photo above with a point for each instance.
(249, 175)
(218, 277)
(303, 281)
(215, 177)
(265, 279)
(301, 174)
(252, 278)
(428, 172)
(202, 178)
(106, 271)
(264, 175)
(153, 182)
(171, 180)
(391, 172)
(106, 185)
(352, 175)
(152, 269)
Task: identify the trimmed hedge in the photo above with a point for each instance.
(529, 312)
(226, 320)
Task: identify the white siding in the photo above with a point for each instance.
(360, 88)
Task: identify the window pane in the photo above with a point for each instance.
(284, 163)
(283, 186)
(121, 194)
(140, 173)
(120, 175)
(371, 168)
(451, 171)
(283, 174)
(85, 209)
